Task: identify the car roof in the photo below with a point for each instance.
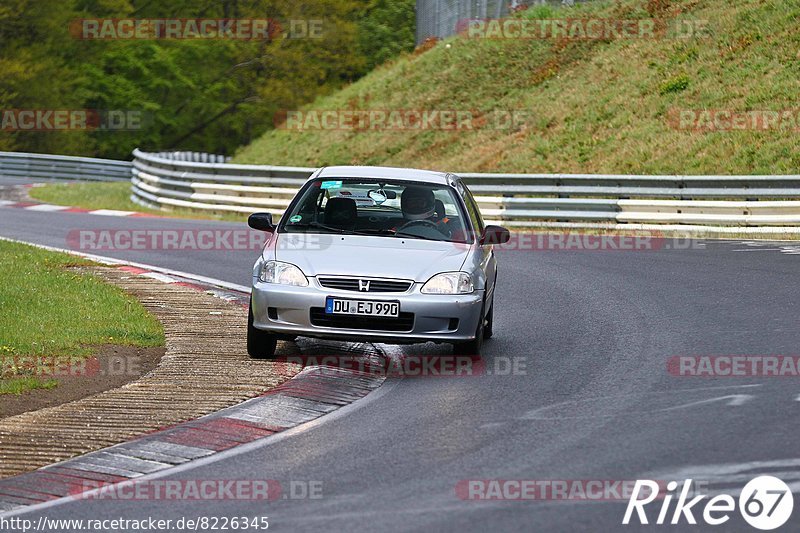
(406, 174)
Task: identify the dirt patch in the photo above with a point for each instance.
(14, 193)
(110, 367)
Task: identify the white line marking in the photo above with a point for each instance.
(119, 262)
(722, 469)
(7, 202)
(749, 385)
(535, 413)
(733, 400)
(798, 398)
(111, 213)
(47, 207)
(744, 477)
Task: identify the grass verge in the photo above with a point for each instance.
(48, 311)
(115, 196)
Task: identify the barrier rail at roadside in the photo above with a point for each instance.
(209, 183)
(192, 180)
(60, 167)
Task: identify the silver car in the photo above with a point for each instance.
(376, 254)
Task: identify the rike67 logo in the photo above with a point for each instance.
(765, 503)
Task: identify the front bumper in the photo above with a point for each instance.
(286, 310)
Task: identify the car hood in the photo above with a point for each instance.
(358, 255)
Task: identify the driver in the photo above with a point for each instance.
(419, 204)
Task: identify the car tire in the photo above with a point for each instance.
(260, 344)
(488, 330)
(473, 347)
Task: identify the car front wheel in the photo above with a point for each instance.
(473, 347)
(260, 344)
(489, 324)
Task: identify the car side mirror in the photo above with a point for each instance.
(261, 221)
(494, 235)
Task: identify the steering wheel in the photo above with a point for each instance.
(422, 222)
(442, 230)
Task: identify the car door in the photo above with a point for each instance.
(483, 257)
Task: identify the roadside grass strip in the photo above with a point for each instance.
(113, 197)
(47, 311)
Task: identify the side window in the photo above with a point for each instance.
(311, 203)
(448, 199)
(473, 210)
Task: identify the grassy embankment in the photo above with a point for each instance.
(593, 106)
(589, 106)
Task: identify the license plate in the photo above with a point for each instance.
(341, 306)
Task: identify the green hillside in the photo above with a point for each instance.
(592, 105)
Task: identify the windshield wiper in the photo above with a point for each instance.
(389, 233)
(366, 232)
(376, 231)
(318, 225)
(412, 236)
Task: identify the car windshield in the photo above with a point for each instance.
(382, 208)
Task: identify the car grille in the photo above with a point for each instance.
(375, 285)
(405, 322)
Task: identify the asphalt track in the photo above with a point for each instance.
(594, 330)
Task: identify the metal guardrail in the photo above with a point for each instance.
(161, 180)
(175, 179)
(25, 165)
(195, 157)
(209, 183)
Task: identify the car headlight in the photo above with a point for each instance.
(449, 283)
(282, 273)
